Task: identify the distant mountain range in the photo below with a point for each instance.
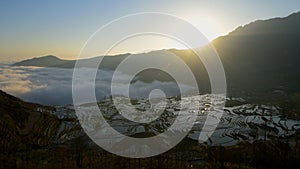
(260, 58)
(110, 63)
(54, 61)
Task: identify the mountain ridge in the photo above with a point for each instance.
(255, 25)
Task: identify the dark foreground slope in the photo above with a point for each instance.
(23, 126)
(28, 133)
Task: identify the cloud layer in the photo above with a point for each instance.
(53, 86)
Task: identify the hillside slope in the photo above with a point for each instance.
(263, 56)
(23, 125)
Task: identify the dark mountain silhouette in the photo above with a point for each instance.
(44, 61)
(263, 56)
(53, 61)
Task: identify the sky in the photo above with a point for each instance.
(61, 27)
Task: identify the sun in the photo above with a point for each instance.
(206, 25)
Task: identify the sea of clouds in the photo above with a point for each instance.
(53, 86)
